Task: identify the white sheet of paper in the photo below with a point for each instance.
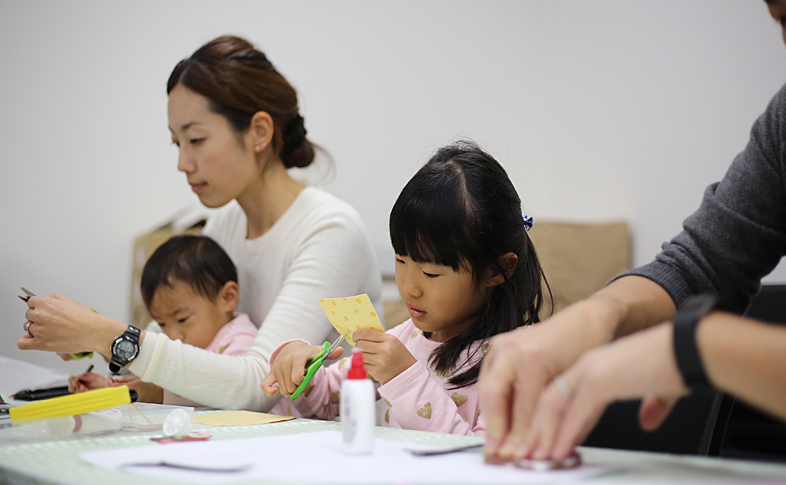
(18, 374)
(317, 458)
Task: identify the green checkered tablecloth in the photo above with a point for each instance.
(48, 462)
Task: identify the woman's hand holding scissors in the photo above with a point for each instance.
(59, 324)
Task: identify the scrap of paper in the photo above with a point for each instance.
(193, 436)
(239, 418)
(350, 314)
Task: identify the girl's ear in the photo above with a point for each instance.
(228, 297)
(260, 131)
(508, 264)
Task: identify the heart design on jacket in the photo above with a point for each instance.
(459, 399)
(425, 411)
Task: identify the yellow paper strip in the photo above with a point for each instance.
(239, 418)
(350, 314)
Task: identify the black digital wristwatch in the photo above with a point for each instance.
(124, 349)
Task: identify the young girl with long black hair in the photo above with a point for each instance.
(466, 270)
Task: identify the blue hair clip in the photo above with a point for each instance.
(527, 223)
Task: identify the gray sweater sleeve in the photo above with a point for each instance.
(738, 234)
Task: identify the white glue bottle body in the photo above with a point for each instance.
(357, 408)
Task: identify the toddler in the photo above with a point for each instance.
(189, 286)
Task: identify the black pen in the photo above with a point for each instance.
(38, 394)
(85, 372)
(45, 393)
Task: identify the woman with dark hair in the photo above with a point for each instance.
(235, 120)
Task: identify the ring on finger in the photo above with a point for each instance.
(563, 387)
(27, 328)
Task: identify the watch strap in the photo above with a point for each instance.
(686, 350)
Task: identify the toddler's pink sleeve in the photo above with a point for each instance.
(235, 341)
(239, 345)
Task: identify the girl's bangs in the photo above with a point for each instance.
(426, 227)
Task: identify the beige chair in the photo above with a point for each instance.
(579, 259)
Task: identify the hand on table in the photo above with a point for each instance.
(521, 363)
(641, 365)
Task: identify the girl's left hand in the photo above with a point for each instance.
(384, 355)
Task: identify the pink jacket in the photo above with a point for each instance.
(419, 398)
(234, 338)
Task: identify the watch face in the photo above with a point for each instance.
(125, 349)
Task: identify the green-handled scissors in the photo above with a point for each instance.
(29, 293)
(313, 365)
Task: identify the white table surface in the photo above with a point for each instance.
(41, 461)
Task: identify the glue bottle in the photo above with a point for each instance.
(357, 408)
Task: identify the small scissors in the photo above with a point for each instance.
(313, 365)
(28, 293)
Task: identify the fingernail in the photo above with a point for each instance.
(494, 459)
(560, 453)
(491, 444)
(540, 453)
(521, 451)
(506, 452)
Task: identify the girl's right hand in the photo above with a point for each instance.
(289, 367)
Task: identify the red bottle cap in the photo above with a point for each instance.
(357, 371)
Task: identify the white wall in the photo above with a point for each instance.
(599, 110)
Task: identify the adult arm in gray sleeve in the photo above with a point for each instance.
(738, 234)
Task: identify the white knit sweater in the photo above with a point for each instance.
(319, 248)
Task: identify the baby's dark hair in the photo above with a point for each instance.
(461, 210)
(197, 261)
